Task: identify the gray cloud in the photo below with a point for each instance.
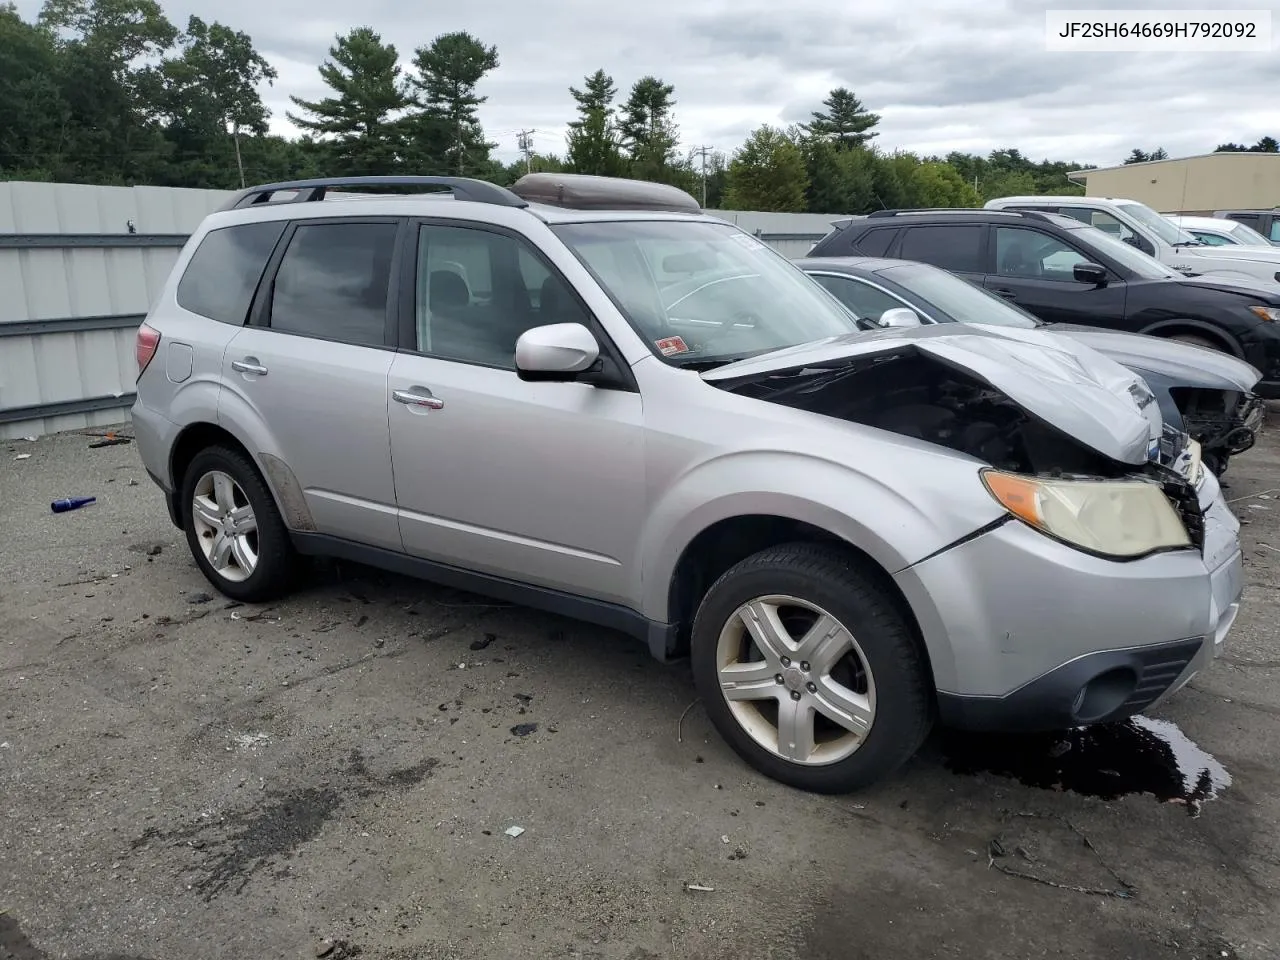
(943, 74)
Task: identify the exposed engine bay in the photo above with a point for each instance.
(915, 395)
(1224, 422)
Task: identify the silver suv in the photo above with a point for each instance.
(585, 395)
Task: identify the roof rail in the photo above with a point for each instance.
(463, 188)
(1032, 214)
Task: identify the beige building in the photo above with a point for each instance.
(1191, 185)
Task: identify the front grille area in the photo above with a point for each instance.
(1184, 498)
(1159, 669)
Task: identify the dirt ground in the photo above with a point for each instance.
(334, 776)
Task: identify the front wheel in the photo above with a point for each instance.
(809, 670)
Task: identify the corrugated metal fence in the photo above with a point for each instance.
(80, 266)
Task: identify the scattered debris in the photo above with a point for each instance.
(155, 550)
(680, 722)
(1264, 495)
(23, 456)
(481, 644)
(513, 831)
(380, 643)
(738, 854)
(996, 850)
(324, 948)
(699, 888)
(70, 503)
(524, 729)
(523, 697)
(110, 440)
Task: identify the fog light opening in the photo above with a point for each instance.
(1104, 694)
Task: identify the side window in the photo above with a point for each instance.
(478, 290)
(875, 243)
(1275, 231)
(957, 247)
(1213, 239)
(225, 269)
(1030, 254)
(1248, 219)
(863, 299)
(332, 282)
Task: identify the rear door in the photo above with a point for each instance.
(958, 247)
(306, 380)
(1034, 269)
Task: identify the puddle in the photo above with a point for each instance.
(1140, 755)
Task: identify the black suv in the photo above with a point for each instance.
(1065, 271)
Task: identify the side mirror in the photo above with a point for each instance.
(1093, 273)
(900, 317)
(556, 352)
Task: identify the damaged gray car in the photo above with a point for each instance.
(1207, 393)
(850, 533)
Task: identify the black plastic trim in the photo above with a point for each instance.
(660, 637)
(1046, 702)
(982, 531)
(1267, 389)
(61, 408)
(109, 321)
(462, 188)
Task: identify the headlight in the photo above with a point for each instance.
(1265, 313)
(1114, 518)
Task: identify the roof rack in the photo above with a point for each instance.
(581, 191)
(463, 188)
(1032, 214)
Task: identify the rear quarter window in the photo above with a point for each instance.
(876, 242)
(225, 269)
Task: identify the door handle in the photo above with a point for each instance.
(249, 365)
(418, 397)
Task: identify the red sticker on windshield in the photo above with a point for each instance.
(669, 346)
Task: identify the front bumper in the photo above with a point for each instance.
(1025, 633)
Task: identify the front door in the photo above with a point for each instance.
(538, 482)
(307, 379)
(1035, 270)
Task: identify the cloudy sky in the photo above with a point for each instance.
(943, 74)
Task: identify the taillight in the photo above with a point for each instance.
(148, 342)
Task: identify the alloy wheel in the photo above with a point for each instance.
(226, 528)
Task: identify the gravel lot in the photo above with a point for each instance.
(334, 775)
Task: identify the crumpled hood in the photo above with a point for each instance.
(1057, 379)
(1197, 366)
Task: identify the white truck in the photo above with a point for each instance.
(1138, 225)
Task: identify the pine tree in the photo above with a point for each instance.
(847, 123)
(360, 120)
(446, 131)
(593, 142)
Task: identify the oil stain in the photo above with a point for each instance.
(1141, 755)
(238, 845)
(16, 945)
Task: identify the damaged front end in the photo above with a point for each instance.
(1042, 415)
(1224, 422)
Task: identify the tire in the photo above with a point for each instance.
(1197, 341)
(270, 575)
(881, 672)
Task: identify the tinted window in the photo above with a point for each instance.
(1275, 229)
(1034, 255)
(950, 247)
(863, 299)
(1252, 219)
(477, 291)
(225, 269)
(875, 243)
(332, 282)
(1212, 239)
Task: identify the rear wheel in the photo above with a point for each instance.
(233, 527)
(809, 671)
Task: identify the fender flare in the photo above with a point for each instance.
(1210, 331)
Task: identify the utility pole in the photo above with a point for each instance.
(702, 151)
(525, 141)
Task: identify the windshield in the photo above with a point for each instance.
(701, 292)
(1162, 228)
(1246, 236)
(955, 299)
(1143, 266)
